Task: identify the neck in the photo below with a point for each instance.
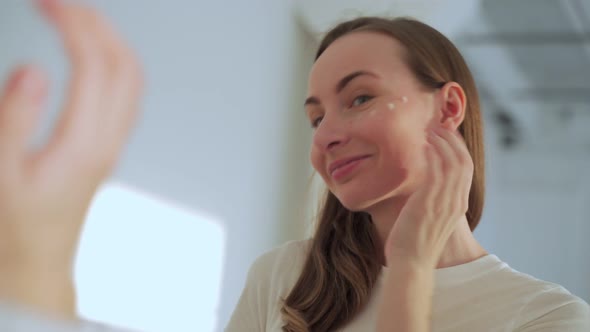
(461, 248)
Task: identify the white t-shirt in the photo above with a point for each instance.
(483, 295)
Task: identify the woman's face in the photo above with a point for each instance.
(370, 116)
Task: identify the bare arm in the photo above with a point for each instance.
(407, 305)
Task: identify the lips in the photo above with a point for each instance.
(334, 166)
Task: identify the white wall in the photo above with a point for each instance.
(537, 213)
(223, 131)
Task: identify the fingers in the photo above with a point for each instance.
(105, 85)
(435, 170)
(457, 144)
(457, 165)
(87, 77)
(121, 106)
(124, 77)
(20, 106)
(463, 160)
(446, 151)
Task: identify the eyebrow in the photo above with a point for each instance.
(341, 85)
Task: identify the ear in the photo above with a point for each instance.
(453, 103)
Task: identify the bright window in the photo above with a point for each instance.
(149, 265)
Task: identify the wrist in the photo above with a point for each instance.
(48, 290)
(408, 285)
(413, 262)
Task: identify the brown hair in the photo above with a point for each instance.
(343, 262)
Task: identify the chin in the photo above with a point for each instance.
(355, 206)
(366, 205)
(364, 200)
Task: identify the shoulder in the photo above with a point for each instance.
(280, 263)
(547, 305)
(270, 279)
(554, 306)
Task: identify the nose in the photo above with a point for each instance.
(330, 133)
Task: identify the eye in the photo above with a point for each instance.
(361, 100)
(316, 122)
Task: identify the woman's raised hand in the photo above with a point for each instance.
(46, 192)
(430, 215)
(421, 232)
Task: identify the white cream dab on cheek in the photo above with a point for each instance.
(391, 105)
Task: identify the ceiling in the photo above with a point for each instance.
(530, 58)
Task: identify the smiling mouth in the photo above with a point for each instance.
(341, 168)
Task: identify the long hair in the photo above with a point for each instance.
(343, 262)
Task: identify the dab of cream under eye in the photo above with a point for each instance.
(391, 106)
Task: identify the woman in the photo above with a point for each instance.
(397, 140)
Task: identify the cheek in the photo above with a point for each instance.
(400, 140)
(405, 157)
(317, 161)
(383, 126)
(367, 122)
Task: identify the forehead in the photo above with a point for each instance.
(371, 51)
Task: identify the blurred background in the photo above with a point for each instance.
(217, 170)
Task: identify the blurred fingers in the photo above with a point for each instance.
(122, 101)
(81, 116)
(105, 85)
(20, 106)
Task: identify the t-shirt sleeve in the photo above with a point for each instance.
(250, 314)
(556, 310)
(19, 319)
